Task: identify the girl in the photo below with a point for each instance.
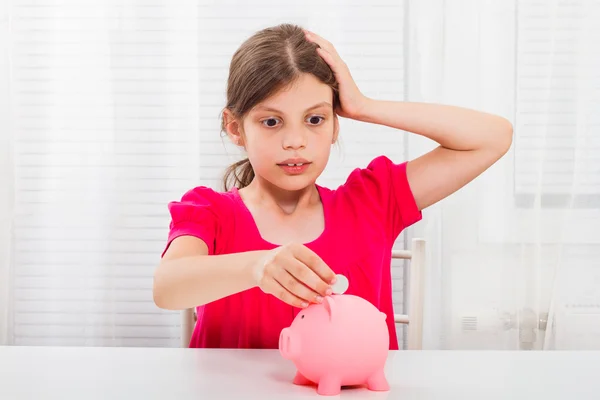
(251, 257)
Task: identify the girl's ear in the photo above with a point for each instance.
(233, 128)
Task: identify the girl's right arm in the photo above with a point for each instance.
(188, 277)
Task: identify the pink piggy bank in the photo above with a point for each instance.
(343, 341)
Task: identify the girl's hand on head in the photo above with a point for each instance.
(351, 99)
(294, 274)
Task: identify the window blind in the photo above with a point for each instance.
(115, 113)
(104, 100)
(558, 97)
(5, 177)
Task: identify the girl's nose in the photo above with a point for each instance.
(294, 139)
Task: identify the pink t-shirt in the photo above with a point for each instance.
(363, 217)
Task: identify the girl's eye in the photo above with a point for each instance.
(270, 122)
(315, 119)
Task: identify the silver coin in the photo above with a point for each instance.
(341, 284)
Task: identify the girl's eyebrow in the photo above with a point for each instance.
(321, 104)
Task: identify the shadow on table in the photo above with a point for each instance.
(287, 377)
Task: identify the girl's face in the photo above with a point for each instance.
(288, 137)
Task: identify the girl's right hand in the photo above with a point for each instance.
(294, 274)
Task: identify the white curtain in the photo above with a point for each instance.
(108, 110)
(514, 258)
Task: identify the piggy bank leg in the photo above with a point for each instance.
(378, 382)
(329, 386)
(300, 379)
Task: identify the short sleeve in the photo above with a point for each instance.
(197, 214)
(383, 186)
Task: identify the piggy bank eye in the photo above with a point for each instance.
(302, 317)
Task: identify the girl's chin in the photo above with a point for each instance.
(294, 182)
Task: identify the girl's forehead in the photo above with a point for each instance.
(299, 98)
(275, 108)
(296, 104)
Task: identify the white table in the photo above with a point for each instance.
(179, 374)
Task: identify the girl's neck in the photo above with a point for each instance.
(264, 194)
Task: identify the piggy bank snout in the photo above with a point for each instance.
(289, 344)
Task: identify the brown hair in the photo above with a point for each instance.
(268, 61)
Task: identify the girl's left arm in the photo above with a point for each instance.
(469, 143)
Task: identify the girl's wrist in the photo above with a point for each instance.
(364, 110)
(251, 268)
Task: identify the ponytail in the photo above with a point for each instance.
(241, 173)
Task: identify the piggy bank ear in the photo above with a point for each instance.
(330, 307)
